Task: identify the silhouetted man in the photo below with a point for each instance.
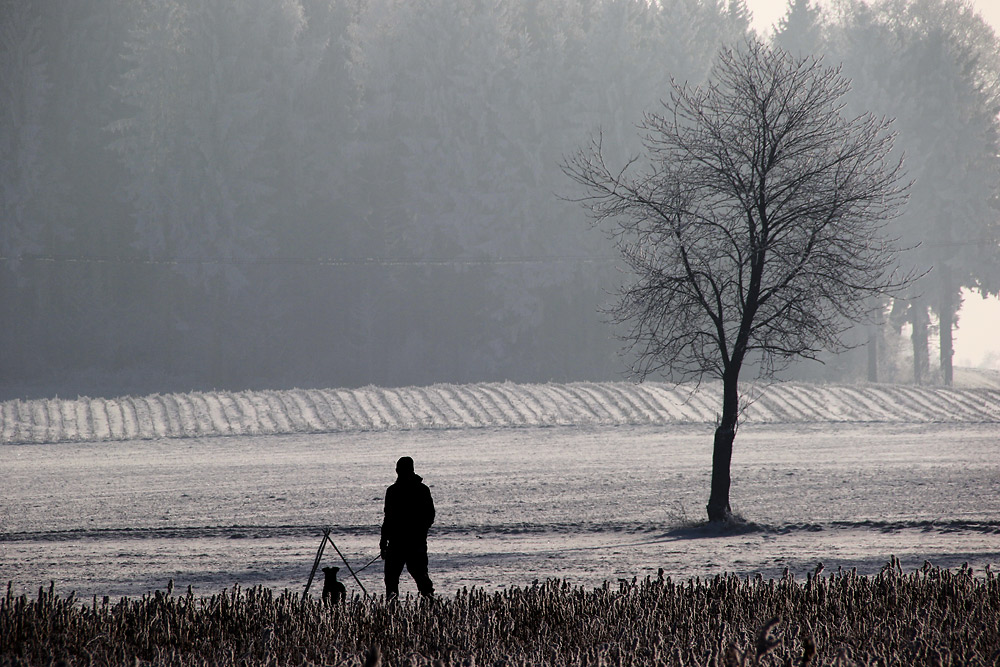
(409, 513)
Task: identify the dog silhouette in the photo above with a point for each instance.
(333, 590)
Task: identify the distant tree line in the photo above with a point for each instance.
(274, 193)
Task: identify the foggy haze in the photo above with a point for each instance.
(250, 194)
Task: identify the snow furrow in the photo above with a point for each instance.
(954, 404)
(936, 401)
(39, 421)
(511, 416)
(20, 426)
(127, 425)
(466, 415)
(815, 408)
(113, 414)
(16, 424)
(395, 409)
(294, 411)
(143, 421)
(262, 408)
(487, 410)
(910, 399)
(858, 406)
(116, 419)
(889, 407)
(552, 410)
(356, 410)
(615, 411)
(218, 423)
(786, 404)
(549, 405)
(157, 416)
(279, 413)
(706, 406)
(774, 402)
(249, 419)
(339, 411)
(99, 413)
(967, 403)
(480, 417)
(29, 427)
(310, 420)
(320, 406)
(949, 402)
(985, 404)
(203, 414)
(568, 405)
(394, 398)
(231, 413)
(133, 420)
(810, 408)
(449, 416)
(186, 415)
(579, 407)
(84, 421)
(637, 399)
(559, 411)
(7, 423)
(617, 396)
(670, 403)
(171, 416)
(371, 412)
(56, 427)
(755, 410)
(528, 414)
(388, 419)
(417, 400)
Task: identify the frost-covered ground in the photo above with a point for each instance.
(447, 406)
(602, 499)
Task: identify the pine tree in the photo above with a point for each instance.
(936, 70)
(799, 30)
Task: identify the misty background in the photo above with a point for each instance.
(248, 194)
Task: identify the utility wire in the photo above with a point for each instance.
(308, 261)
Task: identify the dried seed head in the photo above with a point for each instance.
(765, 641)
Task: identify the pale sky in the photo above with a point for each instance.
(767, 12)
(977, 340)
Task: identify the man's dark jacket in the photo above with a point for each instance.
(409, 512)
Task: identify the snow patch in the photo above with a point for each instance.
(488, 405)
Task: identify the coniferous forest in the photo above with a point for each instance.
(247, 194)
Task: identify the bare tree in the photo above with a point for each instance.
(754, 224)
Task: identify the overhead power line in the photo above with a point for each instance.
(309, 261)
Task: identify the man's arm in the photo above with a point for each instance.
(383, 542)
(430, 509)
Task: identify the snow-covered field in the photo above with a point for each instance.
(475, 406)
(598, 482)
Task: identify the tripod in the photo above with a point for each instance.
(319, 557)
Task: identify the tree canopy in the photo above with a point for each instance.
(754, 224)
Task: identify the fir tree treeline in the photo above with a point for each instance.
(272, 193)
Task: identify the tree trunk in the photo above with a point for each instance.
(722, 452)
(920, 322)
(873, 353)
(947, 346)
(947, 308)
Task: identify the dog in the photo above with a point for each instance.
(333, 590)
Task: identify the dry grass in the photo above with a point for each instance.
(928, 617)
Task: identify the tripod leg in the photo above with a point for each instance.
(319, 557)
(348, 565)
